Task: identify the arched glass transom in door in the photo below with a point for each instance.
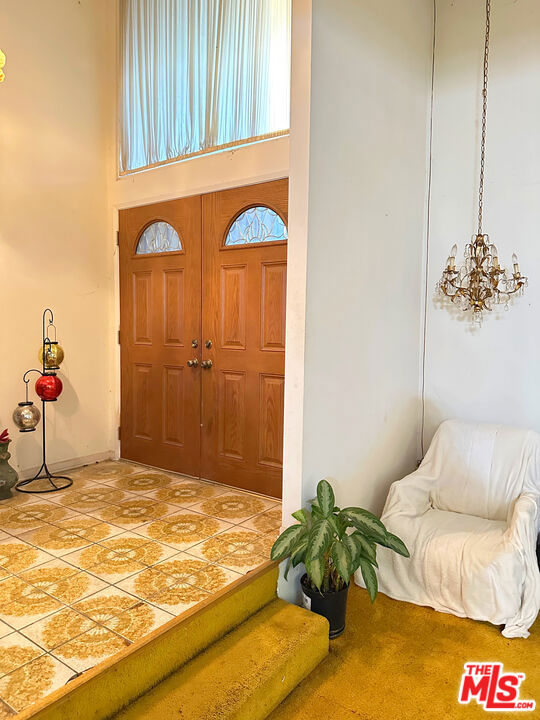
(256, 225)
(159, 237)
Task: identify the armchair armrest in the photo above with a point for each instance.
(522, 532)
(524, 522)
(409, 496)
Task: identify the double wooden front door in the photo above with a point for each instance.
(202, 297)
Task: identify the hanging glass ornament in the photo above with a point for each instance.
(26, 416)
(51, 354)
(48, 387)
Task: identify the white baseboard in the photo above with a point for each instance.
(68, 464)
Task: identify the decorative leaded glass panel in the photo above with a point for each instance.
(159, 237)
(256, 225)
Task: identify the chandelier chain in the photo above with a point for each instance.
(484, 118)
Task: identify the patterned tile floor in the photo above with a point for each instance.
(90, 570)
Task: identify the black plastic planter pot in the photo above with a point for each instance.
(331, 605)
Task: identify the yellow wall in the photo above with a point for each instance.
(56, 142)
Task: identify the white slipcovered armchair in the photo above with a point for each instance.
(470, 518)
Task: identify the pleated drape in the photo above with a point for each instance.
(197, 75)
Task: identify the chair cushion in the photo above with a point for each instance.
(460, 564)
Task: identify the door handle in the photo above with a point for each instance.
(206, 364)
(193, 363)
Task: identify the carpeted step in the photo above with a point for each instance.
(243, 676)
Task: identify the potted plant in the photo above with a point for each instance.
(8, 476)
(333, 544)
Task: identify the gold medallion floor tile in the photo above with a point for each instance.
(22, 604)
(105, 471)
(242, 560)
(138, 621)
(265, 522)
(233, 507)
(186, 493)
(106, 604)
(15, 651)
(183, 529)
(135, 512)
(32, 681)
(143, 482)
(90, 648)
(223, 543)
(58, 628)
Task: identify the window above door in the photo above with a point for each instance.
(201, 76)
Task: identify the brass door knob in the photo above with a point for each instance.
(206, 364)
(193, 363)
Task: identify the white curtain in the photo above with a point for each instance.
(201, 74)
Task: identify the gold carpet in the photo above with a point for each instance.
(398, 661)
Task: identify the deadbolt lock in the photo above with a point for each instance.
(193, 363)
(208, 344)
(206, 364)
(194, 343)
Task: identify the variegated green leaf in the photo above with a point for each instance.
(351, 547)
(315, 570)
(366, 522)
(286, 542)
(365, 547)
(370, 578)
(300, 551)
(342, 560)
(303, 516)
(320, 538)
(287, 568)
(396, 544)
(334, 523)
(325, 497)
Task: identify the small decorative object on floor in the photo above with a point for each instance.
(26, 415)
(481, 282)
(331, 555)
(8, 476)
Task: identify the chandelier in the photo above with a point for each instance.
(480, 282)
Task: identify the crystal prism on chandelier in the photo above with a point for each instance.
(480, 282)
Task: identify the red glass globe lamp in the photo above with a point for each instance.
(48, 387)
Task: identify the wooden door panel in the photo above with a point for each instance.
(142, 392)
(273, 301)
(271, 420)
(231, 407)
(173, 307)
(142, 307)
(244, 294)
(233, 307)
(160, 315)
(173, 404)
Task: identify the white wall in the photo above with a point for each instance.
(56, 139)
(491, 374)
(371, 73)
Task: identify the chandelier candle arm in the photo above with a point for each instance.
(480, 282)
